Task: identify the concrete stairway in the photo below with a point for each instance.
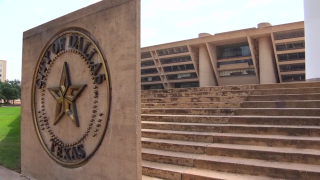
(251, 132)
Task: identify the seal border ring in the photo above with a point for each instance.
(95, 44)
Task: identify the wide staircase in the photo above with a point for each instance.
(250, 132)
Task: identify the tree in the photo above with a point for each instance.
(10, 90)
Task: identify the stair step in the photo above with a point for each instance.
(280, 154)
(169, 157)
(277, 111)
(287, 85)
(192, 105)
(293, 155)
(268, 140)
(178, 135)
(150, 178)
(233, 111)
(194, 111)
(203, 174)
(165, 171)
(196, 94)
(290, 130)
(233, 138)
(283, 97)
(195, 99)
(258, 167)
(285, 91)
(279, 104)
(173, 145)
(207, 119)
(174, 172)
(200, 89)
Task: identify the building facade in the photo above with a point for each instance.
(262, 55)
(3, 70)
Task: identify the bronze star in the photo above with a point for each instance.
(65, 95)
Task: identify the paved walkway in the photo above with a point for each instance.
(7, 174)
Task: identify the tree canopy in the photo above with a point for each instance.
(10, 90)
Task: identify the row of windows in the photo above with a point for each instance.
(296, 77)
(291, 56)
(239, 72)
(175, 50)
(233, 50)
(179, 68)
(289, 34)
(153, 86)
(149, 71)
(186, 85)
(175, 59)
(292, 67)
(288, 46)
(182, 76)
(147, 63)
(145, 55)
(249, 61)
(150, 79)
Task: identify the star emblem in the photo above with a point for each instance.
(66, 95)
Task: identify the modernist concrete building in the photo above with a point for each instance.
(3, 70)
(262, 55)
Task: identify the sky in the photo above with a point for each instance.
(162, 21)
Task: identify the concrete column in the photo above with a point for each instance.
(267, 67)
(312, 39)
(206, 73)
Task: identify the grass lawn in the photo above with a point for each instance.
(10, 137)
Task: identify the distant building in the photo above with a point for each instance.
(262, 55)
(3, 70)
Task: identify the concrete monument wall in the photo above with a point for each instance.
(80, 116)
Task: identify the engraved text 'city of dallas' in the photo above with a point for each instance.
(77, 43)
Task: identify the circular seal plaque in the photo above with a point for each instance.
(71, 97)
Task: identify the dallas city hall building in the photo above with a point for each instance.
(263, 55)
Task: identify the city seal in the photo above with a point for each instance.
(71, 97)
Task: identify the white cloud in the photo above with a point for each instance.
(147, 33)
(94, 1)
(191, 22)
(39, 10)
(177, 5)
(255, 3)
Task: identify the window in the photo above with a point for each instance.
(289, 34)
(178, 68)
(175, 59)
(233, 50)
(249, 61)
(239, 72)
(149, 71)
(145, 55)
(296, 77)
(150, 79)
(292, 67)
(288, 46)
(156, 86)
(0, 70)
(186, 85)
(182, 76)
(0, 64)
(147, 63)
(174, 50)
(291, 56)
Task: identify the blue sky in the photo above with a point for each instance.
(162, 21)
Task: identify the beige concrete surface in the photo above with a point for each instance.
(115, 25)
(7, 174)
